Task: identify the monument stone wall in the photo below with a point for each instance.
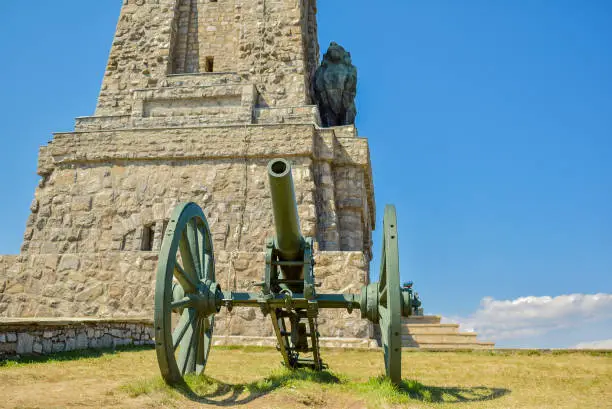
(271, 43)
(197, 97)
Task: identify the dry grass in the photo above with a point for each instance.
(254, 378)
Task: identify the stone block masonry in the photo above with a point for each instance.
(121, 286)
(197, 97)
(270, 43)
(45, 336)
(102, 190)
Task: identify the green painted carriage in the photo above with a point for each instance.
(187, 295)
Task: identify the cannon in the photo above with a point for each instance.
(187, 296)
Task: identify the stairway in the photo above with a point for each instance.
(426, 332)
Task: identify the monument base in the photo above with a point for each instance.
(41, 336)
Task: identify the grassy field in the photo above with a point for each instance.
(253, 378)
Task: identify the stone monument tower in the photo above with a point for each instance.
(197, 96)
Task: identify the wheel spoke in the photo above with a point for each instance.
(189, 264)
(185, 279)
(209, 265)
(192, 238)
(186, 321)
(185, 302)
(203, 344)
(382, 298)
(202, 251)
(211, 326)
(205, 252)
(382, 276)
(188, 345)
(384, 335)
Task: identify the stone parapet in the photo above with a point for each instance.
(230, 141)
(102, 123)
(306, 115)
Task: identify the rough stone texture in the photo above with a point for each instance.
(100, 189)
(272, 44)
(325, 342)
(186, 55)
(44, 336)
(111, 284)
(7, 266)
(165, 130)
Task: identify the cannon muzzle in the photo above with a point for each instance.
(289, 240)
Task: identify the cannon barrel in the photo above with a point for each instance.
(289, 240)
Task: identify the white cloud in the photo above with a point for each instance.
(605, 344)
(527, 317)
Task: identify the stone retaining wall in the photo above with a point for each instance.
(324, 342)
(40, 336)
(44, 336)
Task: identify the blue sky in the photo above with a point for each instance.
(490, 128)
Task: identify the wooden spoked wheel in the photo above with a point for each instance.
(390, 298)
(186, 295)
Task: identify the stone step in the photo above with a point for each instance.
(422, 319)
(453, 346)
(414, 329)
(428, 333)
(451, 338)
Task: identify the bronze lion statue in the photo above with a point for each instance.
(335, 87)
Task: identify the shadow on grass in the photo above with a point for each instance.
(377, 391)
(204, 389)
(70, 356)
(451, 394)
(380, 388)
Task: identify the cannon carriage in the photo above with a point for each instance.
(187, 296)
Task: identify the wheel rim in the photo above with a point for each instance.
(389, 298)
(185, 269)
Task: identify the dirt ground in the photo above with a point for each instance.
(251, 378)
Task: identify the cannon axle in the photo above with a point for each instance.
(348, 301)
